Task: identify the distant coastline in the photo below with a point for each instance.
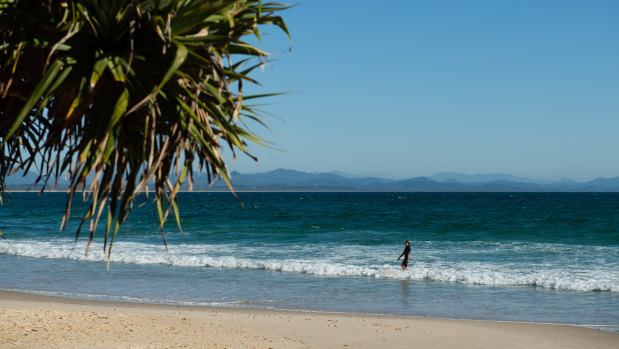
(283, 180)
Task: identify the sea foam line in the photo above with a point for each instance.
(218, 256)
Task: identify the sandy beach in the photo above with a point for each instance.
(33, 321)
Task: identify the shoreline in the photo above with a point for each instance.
(38, 321)
(101, 301)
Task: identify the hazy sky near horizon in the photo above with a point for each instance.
(402, 88)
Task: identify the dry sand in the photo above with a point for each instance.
(31, 321)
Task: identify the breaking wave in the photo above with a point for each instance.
(557, 275)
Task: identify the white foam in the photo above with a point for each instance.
(429, 263)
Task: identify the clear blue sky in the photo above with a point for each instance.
(401, 89)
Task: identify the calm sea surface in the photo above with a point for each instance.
(543, 257)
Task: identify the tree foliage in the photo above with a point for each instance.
(117, 94)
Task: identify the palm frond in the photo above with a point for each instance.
(126, 93)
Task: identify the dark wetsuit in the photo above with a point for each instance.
(407, 251)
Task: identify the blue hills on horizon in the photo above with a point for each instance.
(292, 180)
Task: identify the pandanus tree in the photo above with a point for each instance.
(120, 95)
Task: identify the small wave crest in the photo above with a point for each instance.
(226, 256)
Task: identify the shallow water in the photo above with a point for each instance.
(551, 257)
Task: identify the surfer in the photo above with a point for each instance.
(406, 253)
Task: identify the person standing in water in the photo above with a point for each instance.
(406, 253)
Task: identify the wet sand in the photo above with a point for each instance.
(33, 321)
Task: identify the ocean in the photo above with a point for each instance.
(531, 257)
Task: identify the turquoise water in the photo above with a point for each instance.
(538, 257)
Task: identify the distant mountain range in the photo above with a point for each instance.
(290, 180)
